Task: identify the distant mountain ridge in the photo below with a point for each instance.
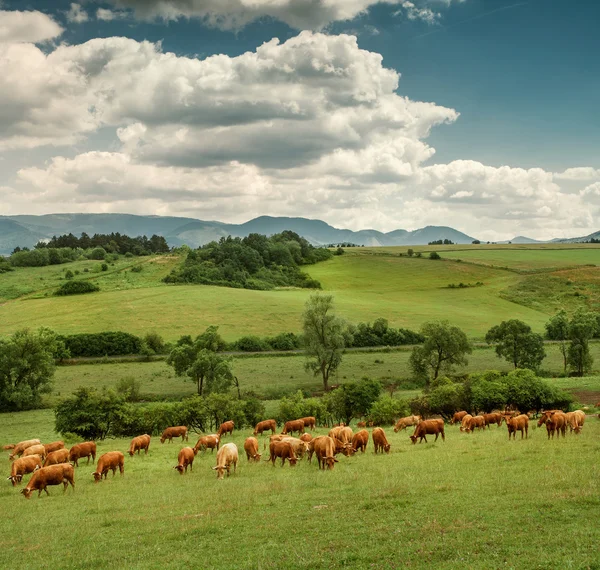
(27, 230)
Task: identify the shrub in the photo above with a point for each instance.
(136, 269)
(104, 267)
(97, 253)
(69, 274)
(155, 342)
(387, 410)
(250, 344)
(77, 288)
(129, 389)
(111, 343)
(434, 255)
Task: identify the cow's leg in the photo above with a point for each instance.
(436, 436)
(443, 436)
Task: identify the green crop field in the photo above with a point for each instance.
(474, 501)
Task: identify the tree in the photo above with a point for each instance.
(557, 328)
(446, 397)
(27, 364)
(582, 328)
(516, 343)
(444, 348)
(325, 337)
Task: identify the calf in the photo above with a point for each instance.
(225, 428)
(54, 446)
(138, 443)
(292, 426)
(428, 427)
(518, 423)
(82, 450)
(23, 466)
(284, 450)
(175, 431)
(52, 475)
(20, 447)
(226, 457)
(56, 457)
(185, 458)
(211, 442)
(360, 440)
(251, 449)
(457, 417)
(324, 448)
(309, 422)
(112, 460)
(403, 423)
(380, 441)
(35, 450)
(265, 425)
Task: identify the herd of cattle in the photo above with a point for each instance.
(53, 464)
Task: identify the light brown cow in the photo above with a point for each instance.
(185, 458)
(54, 446)
(324, 449)
(556, 422)
(56, 457)
(306, 437)
(23, 466)
(226, 457)
(518, 423)
(346, 434)
(174, 431)
(300, 447)
(465, 422)
(138, 443)
(493, 418)
(8, 446)
(380, 441)
(211, 442)
(284, 450)
(573, 422)
(361, 424)
(457, 417)
(341, 447)
(53, 475)
(265, 425)
(580, 417)
(112, 460)
(405, 422)
(81, 451)
(473, 422)
(225, 428)
(310, 422)
(292, 426)
(251, 449)
(429, 427)
(20, 447)
(35, 450)
(360, 440)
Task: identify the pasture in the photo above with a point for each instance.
(474, 501)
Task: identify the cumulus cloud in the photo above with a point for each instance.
(27, 27)
(414, 12)
(77, 14)
(110, 15)
(578, 174)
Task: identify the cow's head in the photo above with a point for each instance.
(97, 476)
(331, 461)
(414, 438)
(347, 450)
(220, 469)
(27, 492)
(162, 439)
(14, 479)
(179, 468)
(293, 461)
(257, 456)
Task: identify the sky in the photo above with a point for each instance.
(482, 115)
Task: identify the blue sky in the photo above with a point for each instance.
(510, 147)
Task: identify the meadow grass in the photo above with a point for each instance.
(473, 501)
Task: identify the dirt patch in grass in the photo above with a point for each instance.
(590, 397)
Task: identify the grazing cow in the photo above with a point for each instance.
(185, 458)
(573, 422)
(265, 425)
(493, 418)
(457, 417)
(20, 447)
(54, 446)
(518, 423)
(52, 475)
(470, 423)
(138, 443)
(56, 457)
(556, 422)
(341, 447)
(346, 435)
(81, 451)
(9, 446)
(403, 423)
(428, 427)
(211, 442)
(324, 448)
(112, 461)
(300, 447)
(360, 440)
(380, 441)
(465, 422)
(306, 437)
(361, 424)
(225, 428)
(581, 417)
(309, 422)
(35, 450)
(292, 426)
(251, 449)
(284, 450)
(226, 456)
(23, 466)
(175, 431)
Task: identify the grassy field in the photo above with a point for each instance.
(475, 501)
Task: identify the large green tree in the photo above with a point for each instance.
(444, 348)
(27, 364)
(516, 343)
(582, 328)
(325, 337)
(557, 329)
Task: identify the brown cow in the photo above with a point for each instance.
(403, 423)
(175, 431)
(185, 458)
(20, 447)
(251, 449)
(284, 450)
(346, 434)
(138, 443)
(493, 418)
(573, 422)
(211, 442)
(457, 417)
(54, 446)
(111, 460)
(52, 475)
(556, 422)
(23, 466)
(226, 456)
(82, 450)
(580, 417)
(324, 448)
(341, 447)
(429, 427)
(470, 423)
(56, 457)
(309, 422)
(265, 425)
(360, 440)
(465, 422)
(292, 426)
(300, 447)
(225, 428)
(8, 446)
(380, 441)
(35, 450)
(518, 423)
(306, 437)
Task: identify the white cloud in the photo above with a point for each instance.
(579, 174)
(110, 15)
(25, 27)
(76, 14)
(414, 12)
